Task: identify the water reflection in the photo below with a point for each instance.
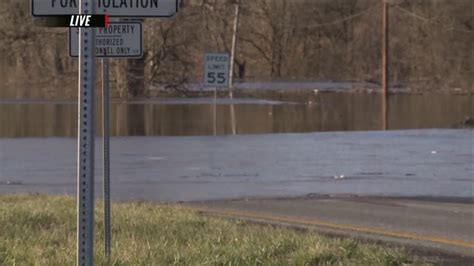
(329, 112)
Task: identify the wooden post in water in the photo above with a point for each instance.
(385, 64)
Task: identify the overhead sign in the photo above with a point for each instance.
(113, 8)
(119, 39)
(216, 70)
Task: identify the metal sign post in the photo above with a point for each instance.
(86, 135)
(214, 112)
(106, 157)
(119, 40)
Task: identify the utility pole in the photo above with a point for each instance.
(231, 67)
(385, 63)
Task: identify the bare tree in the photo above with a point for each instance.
(268, 31)
(430, 40)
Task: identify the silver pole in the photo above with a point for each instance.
(86, 134)
(215, 112)
(231, 67)
(106, 156)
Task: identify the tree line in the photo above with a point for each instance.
(278, 40)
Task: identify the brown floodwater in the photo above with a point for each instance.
(186, 117)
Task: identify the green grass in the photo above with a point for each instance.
(41, 230)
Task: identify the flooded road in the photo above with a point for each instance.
(194, 117)
(394, 163)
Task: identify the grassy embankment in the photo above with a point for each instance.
(40, 230)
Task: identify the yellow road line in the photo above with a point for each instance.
(327, 224)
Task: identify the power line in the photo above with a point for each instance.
(427, 20)
(336, 21)
(460, 30)
(408, 12)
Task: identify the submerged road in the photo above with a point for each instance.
(426, 223)
(437, 163)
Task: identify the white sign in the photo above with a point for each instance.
(113, 8)
(216, 70)
(120, 39)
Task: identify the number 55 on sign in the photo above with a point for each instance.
(216, 70)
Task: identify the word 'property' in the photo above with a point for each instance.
(109, 3)
(117, 29)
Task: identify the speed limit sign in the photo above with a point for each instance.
(216, 70)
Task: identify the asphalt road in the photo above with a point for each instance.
(422, 224)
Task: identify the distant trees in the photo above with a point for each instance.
(435, 44)
(267, 28)
(431, 45)
(30, 55)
